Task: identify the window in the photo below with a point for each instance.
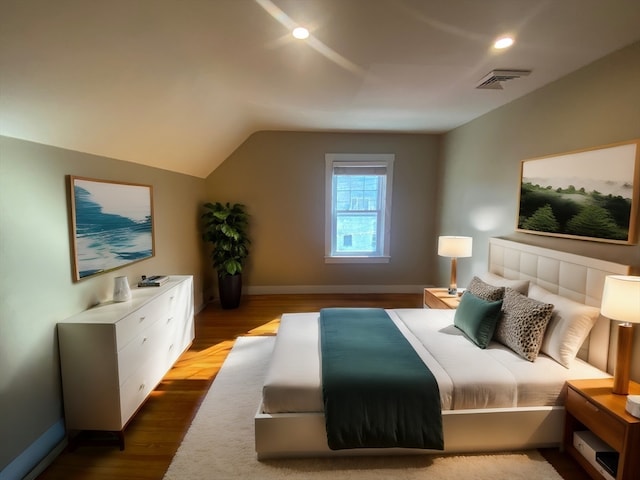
(358, 207)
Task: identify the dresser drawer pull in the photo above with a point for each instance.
(592, 407)
(144, 340)
(141, 387)
(142, 319)
(169, 319)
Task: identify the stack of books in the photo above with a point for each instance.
(152, 281)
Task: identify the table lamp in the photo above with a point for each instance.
(621, 301)
(454, 247)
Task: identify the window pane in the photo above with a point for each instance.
(343, 182)
(343, 199)
(362, 191)
(371, 183)
(371, 200)
(356, 182)
(356, 232)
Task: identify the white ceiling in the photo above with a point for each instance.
(179, 84)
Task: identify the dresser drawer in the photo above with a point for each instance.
(599, 421)
(141, 383)
(133, 392)
(139, 350)
(132, 325)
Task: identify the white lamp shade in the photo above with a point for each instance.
(621, 298)
(457, 247)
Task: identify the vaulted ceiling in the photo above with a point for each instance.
(180, 84)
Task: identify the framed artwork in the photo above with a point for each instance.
(589, 194)
(111, 225)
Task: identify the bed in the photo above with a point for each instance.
(495, 389)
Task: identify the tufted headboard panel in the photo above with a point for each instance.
(572, 276)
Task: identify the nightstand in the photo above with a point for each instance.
(440, 298)
(591, 406)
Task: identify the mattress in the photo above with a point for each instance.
(468, 377)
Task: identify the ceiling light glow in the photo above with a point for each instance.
(503, 42)
(300, 33)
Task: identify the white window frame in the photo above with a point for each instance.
(358, 159)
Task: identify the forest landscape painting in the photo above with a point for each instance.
(112, 225)
(591, 195)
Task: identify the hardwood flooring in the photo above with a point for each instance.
(156, 431)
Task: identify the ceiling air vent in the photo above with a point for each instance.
(493, 79)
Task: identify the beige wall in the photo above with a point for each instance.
(280, 176)
(597, 105)
(36, 286)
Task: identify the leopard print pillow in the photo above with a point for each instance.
(523, 324)
(485, 291)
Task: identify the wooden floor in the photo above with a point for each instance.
(154, 434)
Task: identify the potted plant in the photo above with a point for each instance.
(226, 229)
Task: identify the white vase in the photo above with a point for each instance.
(121, 290)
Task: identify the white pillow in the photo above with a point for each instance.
(568, 328)
(521, 286)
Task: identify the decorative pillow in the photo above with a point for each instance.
(569, 326)
(523, 324)
(477, 318)
(521, 286)
(485, 291)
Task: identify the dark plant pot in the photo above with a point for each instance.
(230, 290)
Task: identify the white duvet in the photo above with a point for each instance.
(468, 377)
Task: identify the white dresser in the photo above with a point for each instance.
(113, 355)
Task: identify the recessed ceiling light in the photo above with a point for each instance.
(503, 42)
(300, 33)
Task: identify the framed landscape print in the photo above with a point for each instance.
(111, 225)
(590, 194)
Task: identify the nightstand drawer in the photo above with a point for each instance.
(439, 298)
(595, 419)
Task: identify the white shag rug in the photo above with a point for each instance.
(220, 442)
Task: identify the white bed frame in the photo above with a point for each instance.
(479, 430)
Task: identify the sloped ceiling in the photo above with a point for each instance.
(179, 84)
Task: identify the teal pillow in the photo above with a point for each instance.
(477, 318)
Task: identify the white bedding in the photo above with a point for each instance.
(468, 377)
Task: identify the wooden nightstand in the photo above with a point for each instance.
(590, 405)
(440, 298)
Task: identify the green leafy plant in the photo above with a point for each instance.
(225, 228)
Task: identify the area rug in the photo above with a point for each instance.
(219, 443)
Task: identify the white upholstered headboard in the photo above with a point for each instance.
(572, 276)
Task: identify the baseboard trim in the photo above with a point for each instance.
(323, 289)
(46, 461)
(38, 456)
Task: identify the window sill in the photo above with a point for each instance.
(346, 259)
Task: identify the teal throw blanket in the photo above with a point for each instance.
(377, 391)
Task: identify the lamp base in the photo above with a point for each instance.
(623, 359)
(453, 283)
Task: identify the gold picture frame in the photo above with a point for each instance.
(111, 225)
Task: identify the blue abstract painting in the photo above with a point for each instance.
(112, 225)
